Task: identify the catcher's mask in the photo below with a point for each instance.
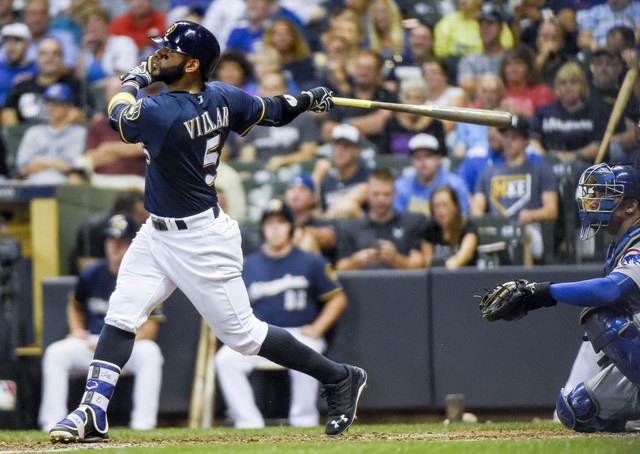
(600, 190)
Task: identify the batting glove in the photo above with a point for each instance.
(140, 75)
(320, 99)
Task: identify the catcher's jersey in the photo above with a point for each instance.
(289, 291)
(183, 134)
(623, 257)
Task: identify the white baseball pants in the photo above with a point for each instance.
(72, 356)
(233, 369)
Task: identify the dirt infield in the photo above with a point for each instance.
(469, 435)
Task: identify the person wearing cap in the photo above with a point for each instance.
(312, 233)
(594, 23)
(86, 310)
(383, 238)
(48, 152)
(15, 65)
(457, 33)
(572, 127)
(523, 191)
(25, 103)
(342, 182)
(488, 60)
(413, 191)
(288, 287)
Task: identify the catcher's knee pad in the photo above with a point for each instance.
(577, 410)
(617, 337)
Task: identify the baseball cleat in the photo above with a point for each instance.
(79, 426)
(342, 399)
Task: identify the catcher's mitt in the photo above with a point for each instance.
(512, 300)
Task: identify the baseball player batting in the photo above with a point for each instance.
(609, 199)
(188, 241)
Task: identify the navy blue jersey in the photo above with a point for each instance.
(95, 285)
(183, 134)
(289, 291)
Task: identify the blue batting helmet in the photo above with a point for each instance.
(600, 190)
(193, 40)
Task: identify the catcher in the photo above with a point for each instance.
(608, 198)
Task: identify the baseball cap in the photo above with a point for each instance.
(121, 226)
(520, 124)
(490, 11)
(279, 208)
(303, 179)
(424, 142)
(16, 30)
(345, 131)
(59, 93)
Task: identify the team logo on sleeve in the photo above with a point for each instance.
(133, 111)
(630, 258)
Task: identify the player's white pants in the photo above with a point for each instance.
(233, 371)
(205, 262)
(72, 356)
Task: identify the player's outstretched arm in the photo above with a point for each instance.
(287, 107)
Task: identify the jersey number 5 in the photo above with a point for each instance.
(212, 158)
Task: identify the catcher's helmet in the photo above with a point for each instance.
(277, 207)
(193, 40)
(600, 190)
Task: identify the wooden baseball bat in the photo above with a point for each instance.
(618, 109)
(208, 412)
(197, 391)
(458, 114)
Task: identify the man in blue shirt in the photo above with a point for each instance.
(15, 39)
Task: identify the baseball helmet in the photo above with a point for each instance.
(277, 207)
(600, 190)
(193, 40)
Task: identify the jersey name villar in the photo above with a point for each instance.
(183, 135)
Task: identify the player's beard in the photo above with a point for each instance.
(172, 74)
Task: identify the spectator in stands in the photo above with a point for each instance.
(15, 66)
(140, 22)
(386, 35)
(36, 17)
(479, 157)
(607, 67)
(570, 128)
(402, 126)
(367, 84)
(86, 310)
(550, 51)
(7, 14)
(265, 62)
(489, 95)
(223, 16)
(441, 93)
(283, 146)
(420, 50)
(247, 37)
(103, 55)
(105, 152)
(343, 185)
(384, 238)
(48, 152)
(450, 239)
(524, 191)
(233, 68)
(620, 38)
(529, 15)
(287, 287)
(523, 89)
(594, 23)
(428, 13)
(71, 19)
(413, 191)
(473, 65)
(90, 236)
(295, 55)
(312, 233)
(332, 64)
(25, 102)
(457, 33)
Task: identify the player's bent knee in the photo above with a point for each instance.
(248, 342)
(577, 410)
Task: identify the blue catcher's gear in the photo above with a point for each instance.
(600, 190)
(577, 410)
(193, 40)
(616, 336)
